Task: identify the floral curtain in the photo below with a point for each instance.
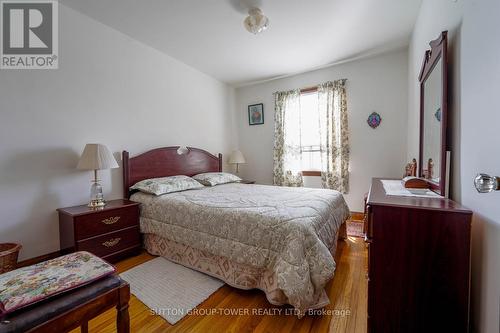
(287, 148)
(333, 130)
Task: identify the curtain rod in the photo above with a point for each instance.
(315, 88)
(308, 89)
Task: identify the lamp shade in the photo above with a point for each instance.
(96, 157)
(236, 157)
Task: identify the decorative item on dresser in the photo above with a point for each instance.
(414, 183)
(418, 263)
(411, 168)
(110, 233)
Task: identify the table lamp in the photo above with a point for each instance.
(237, 158)
(96, 157)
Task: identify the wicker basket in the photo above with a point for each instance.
(8, 256)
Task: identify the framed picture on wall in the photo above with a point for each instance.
(256, 114)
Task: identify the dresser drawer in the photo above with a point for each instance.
(113, 242)
(106, 221)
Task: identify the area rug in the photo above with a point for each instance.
(168, 289)
(355, 228)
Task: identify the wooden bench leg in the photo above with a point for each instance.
(84, 328)
(122, 317)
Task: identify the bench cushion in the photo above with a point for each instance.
(41, 312)
(27, 285)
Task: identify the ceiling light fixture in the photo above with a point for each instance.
(256, 22)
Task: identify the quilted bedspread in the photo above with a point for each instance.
(283, 229)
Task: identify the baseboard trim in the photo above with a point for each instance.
(357, 216)
(39, 259)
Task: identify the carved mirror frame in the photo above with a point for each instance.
(438, 51)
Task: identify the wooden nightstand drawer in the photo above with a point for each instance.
(107, 244)
(99, 223)
(111, 233)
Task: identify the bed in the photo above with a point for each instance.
(280, 240)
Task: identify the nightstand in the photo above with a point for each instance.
(110, 233)
(243, 181)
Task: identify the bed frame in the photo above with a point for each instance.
(166, 161)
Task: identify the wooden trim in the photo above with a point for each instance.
(36, 260)
(357, 216)
(126, 174)
(311, 173)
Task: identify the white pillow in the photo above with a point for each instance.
(216, 178)
(164, 185)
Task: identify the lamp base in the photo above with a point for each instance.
(97, 203)
(96, 196)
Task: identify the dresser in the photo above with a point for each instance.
(111, 233)
(418, 263)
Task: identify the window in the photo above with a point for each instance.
(311, 136)
(309, 132)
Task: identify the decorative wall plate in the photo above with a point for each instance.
(374, 120)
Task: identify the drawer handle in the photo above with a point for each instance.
(111, 220)
(112, 242)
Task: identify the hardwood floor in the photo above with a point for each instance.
(347, 292)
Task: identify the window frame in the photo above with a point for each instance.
(310, 173)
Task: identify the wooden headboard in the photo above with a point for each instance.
(164, 162)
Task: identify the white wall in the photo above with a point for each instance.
(109, 89)
(374, 84)
(475, 82)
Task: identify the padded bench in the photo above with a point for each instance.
(67, 309)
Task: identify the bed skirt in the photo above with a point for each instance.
(234, 274)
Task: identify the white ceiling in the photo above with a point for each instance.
(303, 34)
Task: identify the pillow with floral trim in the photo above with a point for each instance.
(164, 185)
(216, 178)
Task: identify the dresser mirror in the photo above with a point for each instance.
(433, 158)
